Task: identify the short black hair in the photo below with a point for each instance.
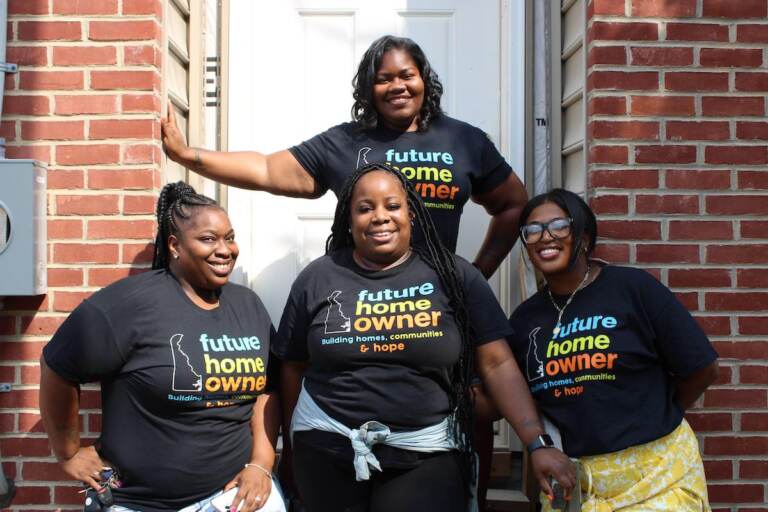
(363, 110)
(177, 202)
(583, 218)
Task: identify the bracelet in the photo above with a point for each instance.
(198, 161)
(265, 470)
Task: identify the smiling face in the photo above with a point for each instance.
(379, 219)
(206, 250)
(551, 256)
(398, 91)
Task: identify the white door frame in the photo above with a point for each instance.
(512, 134)
(513, 114)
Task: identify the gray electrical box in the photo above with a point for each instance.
(22, 228)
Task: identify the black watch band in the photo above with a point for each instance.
(543, 441)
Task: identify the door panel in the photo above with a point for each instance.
(291, 67)
(292, 63)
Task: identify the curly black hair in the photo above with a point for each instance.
(176, 202)
(443, 262)
(363, 110)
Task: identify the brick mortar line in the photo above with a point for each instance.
(703, 193)
(82, 18)
(89, 67)
(694, 20)
(78, 92)
(677, 117)
(729, 338)
(745, 433)
(117, 116)
(703, 266)
(104, 240)
(78, 43)
(697, 95)
(644, 68)
(662, 166)
(99, 266)
(730, 457)
(674, 192)
(149, 142)
(718, 143)
(53, 193)
(741, 386)
(675, 43)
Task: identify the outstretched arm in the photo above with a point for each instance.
(59, 403)
(504, 203)
(277, 173)
(506, 385)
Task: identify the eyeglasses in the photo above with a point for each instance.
(558, 229)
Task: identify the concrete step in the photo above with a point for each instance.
(505, 500)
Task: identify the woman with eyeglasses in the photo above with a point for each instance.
(614, 360)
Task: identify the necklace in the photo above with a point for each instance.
(560, 310)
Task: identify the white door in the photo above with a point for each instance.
(290, 73)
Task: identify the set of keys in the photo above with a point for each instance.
(98, 500)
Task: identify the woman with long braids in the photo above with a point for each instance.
(182, 358)
(614, 360)
(378, 342)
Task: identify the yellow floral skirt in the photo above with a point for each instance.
(663, 475)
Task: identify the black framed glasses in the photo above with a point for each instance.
(558, 229)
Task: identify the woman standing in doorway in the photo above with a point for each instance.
(396, 118)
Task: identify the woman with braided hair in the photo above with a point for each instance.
(182, 358)
(378, 342)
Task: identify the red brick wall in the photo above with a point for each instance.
(678, 147)
(86, 100)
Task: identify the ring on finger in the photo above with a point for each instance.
(257, 498)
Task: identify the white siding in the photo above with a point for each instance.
(572, 97)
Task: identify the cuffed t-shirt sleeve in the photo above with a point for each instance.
(680, 341)
(313, 154)
(84, 348)
(493, 171)
(290, 343)
(487, 321)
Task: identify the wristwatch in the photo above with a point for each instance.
(543, 441)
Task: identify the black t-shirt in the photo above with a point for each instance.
(178, 383)
(381, 344)
(607, 379)
(447, 164)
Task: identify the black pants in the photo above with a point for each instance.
(326, 482)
